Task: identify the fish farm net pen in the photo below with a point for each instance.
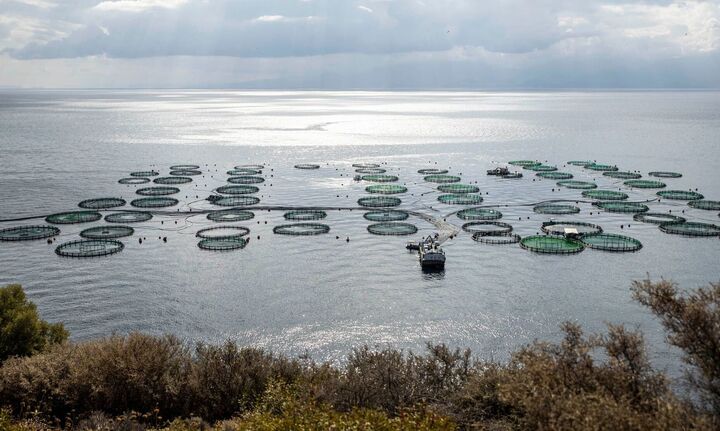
(503, 238)
(222, 232)
(89, 248)
(26, 233)
(610, 242)
(558, 227)
(222, 243)
(390, 215)
(305, 215)
(551, 244)
(492, 228)
(392, 228)
(107, 232)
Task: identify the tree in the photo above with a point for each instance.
(22, 332)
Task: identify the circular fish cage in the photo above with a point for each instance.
(572, 184)
(237, 189)
(168, 181)
(188, 173)
(541, 168)
(222, 232)
(223, 244)
(386, 189)
(644, 184)
(231, 215)
(665, 174)
(245, 179)
(657, 218)
(558, 227)
(134, 180)
(688, 228)
(73, 217)
(606, 195)
(370, 171)
(610, 242)
(107, 232)
(154, 202)
(479, 214)
(487, 228)
(703, 204)
(442, 178)
(157, 191)
(243, 171)
(622, 175)
(128, 217)
(365, 165)
(380, 178)
(89, 248)
(600, 167)
(392, 228)
(580, 162)
(234, 201)
(513, 175)
(432, 171)
(256, 167)
(623, 207)
(460, 199)
(144, 174)
(504, 238)
(379, 201)
(556, 209)
(680, 195)
(303, 215)
(551, 244)
(457, 188)
(555, 175)
(102, 203)
(390, 215)
(307, 166)
(301, 229)
(27, 233)
(184, 167)
(524, 163)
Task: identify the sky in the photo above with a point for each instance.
(359, 44)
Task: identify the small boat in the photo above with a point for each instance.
(499, 171)
(357, 178)
(431, 254)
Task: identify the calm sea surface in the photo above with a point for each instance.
(323, 295)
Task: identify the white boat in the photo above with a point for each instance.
(431, 254)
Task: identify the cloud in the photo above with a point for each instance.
(137, 5)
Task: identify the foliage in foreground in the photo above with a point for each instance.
(602, 381)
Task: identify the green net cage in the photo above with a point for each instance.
(392, 228)
(622, 175)
(172, 180)
(644, 184)
(244, 171)
(73, 217)
(601, 167)
(301, 229)
(223, 244)
(230, 215)
(524, 163)
(379, 201)
(144, 174)
(704, 204)
(541, 168)
(26, 233)
(365, 165)
(688, 228)
(606, 195)
(237, 189)
(555, 227)
(610, 242)
(623, 207)
(433, 171)
(657, 218)
(580, 162)
(551, 244)
(157, 191)
(555, 175)
(457, 188)
(389, 215)
(154, 202)
(134, 181)
(128, 217)
(370, 170)
(102, 203)
(186, 173)
(386, 189)
(503, 238)
(233, 201)
(305, 215)
(380, 178)
(442, 179)
(184, 167)
(479, 214)
(572, 184)
(245, 179)
(487, 227)
(679, 195)
(665, 174)
(107, 232)
(512, 175)
(256, 167)
(89, 248)
(460, 199)
(556, 209)
(308, 166)
(222, 232)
